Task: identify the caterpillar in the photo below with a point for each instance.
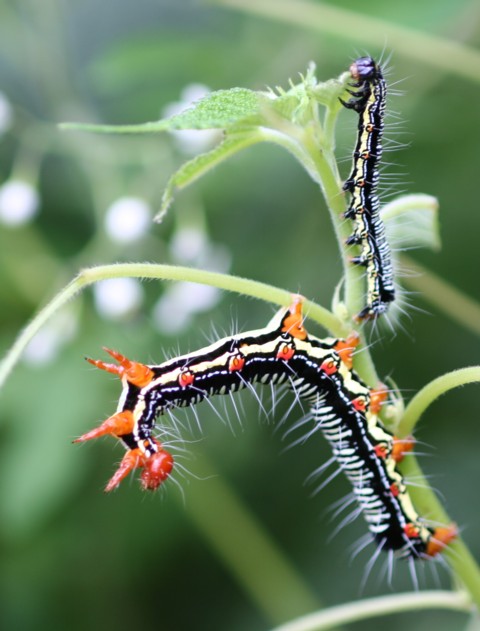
(317, 370)
(368, 100)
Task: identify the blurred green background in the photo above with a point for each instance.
(248, 547)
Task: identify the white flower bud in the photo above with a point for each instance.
(174, 310)
(116, 298)
(19, 202)
(167, 316)
(187, 244)
(127, 219)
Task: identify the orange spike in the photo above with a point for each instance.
(157, 469)
(440, 538)
(117, 425)
(137, 374)
(402, 446)
(113, 368)
(346, 347)
(293, 323)
(377, 397)
(130, 461)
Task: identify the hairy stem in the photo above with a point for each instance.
(427, 395)
(92, 275)
(375, 607)
(463, 565)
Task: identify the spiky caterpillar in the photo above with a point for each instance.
(319, 371)
(369, 98)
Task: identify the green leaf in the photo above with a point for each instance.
(411, 221)
(223, 109)
(198, 166)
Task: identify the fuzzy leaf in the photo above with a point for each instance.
(224, 109)
(198, 166)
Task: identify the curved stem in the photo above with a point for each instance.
(427, 395)
(461, 561)
(425, 500)
(441, 53)
(92, 275)
(375, 607)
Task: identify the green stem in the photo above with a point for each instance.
(426, 502)
(353, 274)
(427, 395)
(92, 275)
(464, 566)
(335, 198)
(318, 163)
(375, 607)
(446, 55)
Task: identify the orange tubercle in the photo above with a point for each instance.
(186, 378)
(378, 396)
(137, 374)
(394, 489)
(236, 362)
(329, 367)
(359, 404)
(286, 352)
(441, 537)
(293, 323)
(402, 446)
(117, 425)
(381, 450)
(411, 531)
(346, 347)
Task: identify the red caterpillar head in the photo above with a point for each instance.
(156, 468)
